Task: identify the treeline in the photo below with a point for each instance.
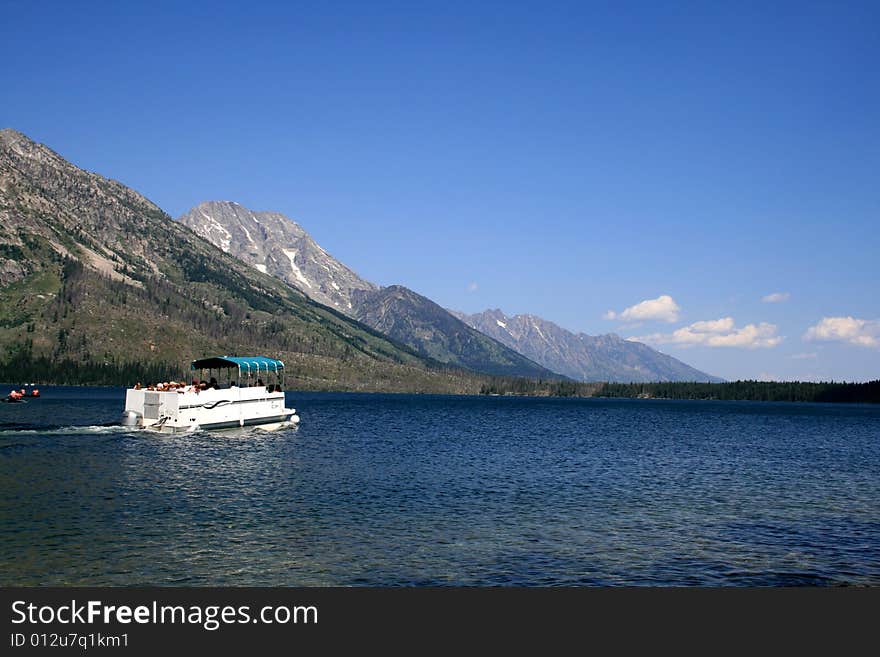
(512, 385)
(303, 372)
(309, 372)
(23, 367)
(795, 391)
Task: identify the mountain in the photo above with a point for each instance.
(580, 356)
(434, 332)
(97, 281)
(275, 244)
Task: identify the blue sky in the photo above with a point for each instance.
(559, 159)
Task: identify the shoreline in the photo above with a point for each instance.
(835, 393)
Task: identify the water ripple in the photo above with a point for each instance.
(411, 491)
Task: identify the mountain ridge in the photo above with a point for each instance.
(400, 313)
(273, 243)
(92, 271)
(580, 356)
(94, 274)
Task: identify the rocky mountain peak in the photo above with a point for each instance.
(275, 244)
(10, 135)
(21, 145)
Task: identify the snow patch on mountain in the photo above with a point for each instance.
(291, 254)
(223, 237)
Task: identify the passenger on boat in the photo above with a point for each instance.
(137, 386)
(260, 383)
(213, 383)
(35, 392)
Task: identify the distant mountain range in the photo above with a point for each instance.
(583, 357)
(94, 275)
(274, 244)
(524, 345)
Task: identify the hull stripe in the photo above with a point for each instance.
(247, 423)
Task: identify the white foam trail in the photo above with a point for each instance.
(71, 431)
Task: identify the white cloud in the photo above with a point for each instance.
(663, 308)
(718, 333)
(723, 325)
(472, 286)
(861, 332)
(776, 297)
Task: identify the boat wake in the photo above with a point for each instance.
(10, 430)
(20, 429)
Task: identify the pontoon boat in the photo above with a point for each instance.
(254, 398)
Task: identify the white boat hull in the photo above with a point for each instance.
(176, 412)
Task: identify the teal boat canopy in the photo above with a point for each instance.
(245, 364)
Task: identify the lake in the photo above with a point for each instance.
(439, 490)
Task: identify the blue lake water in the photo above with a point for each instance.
(437, 490)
